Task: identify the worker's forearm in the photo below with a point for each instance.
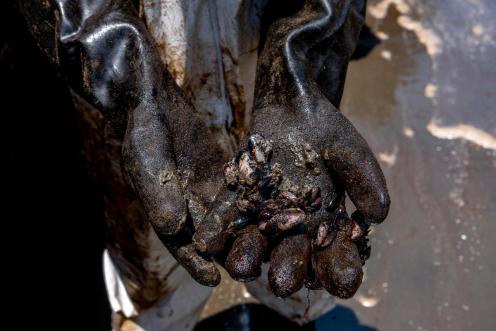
(306, 55)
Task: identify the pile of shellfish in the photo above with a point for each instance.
(278, 209)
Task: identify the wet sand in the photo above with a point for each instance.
(424, 99)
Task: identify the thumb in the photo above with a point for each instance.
(353, 163)
(149, 162)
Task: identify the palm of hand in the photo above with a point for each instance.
(318, 154)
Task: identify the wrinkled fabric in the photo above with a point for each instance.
(211, 48)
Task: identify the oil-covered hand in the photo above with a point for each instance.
(173, 163)
(289, 180)
(301, 157)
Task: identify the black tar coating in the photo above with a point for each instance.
(326, 32)
(211, 235)
(244, 261)
(338, 267)
(103, 49)
(300, 77)
(288, 265)
(305, 112)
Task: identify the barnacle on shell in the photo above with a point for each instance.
(231, 174)
(260, 148)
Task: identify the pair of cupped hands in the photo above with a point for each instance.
(176, 164)
(197, 216)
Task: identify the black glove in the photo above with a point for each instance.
(174, 165)
(318, 153)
